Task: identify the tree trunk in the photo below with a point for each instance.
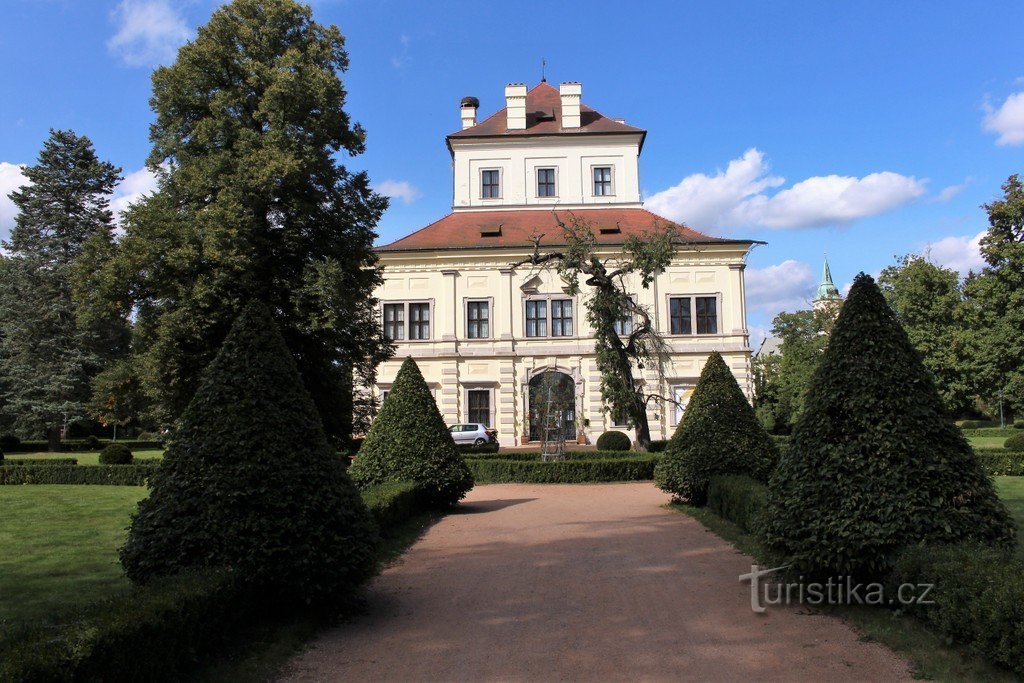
(643, 427)
(53, 439)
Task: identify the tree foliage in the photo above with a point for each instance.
(719, 434)
(876, 463)
(410, 442)
(250, 482)
(253, 205)
(48, 350)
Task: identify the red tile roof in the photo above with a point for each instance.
(542, 102)
(479, 229)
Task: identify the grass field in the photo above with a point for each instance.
(85, 458)
(987, 441)
(1011, 491)
(58, 546)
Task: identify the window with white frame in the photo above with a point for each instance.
(490, 183)
(407, 320)
(478, 406)
(681, 396)
(546, 182)
(602, 181)
(478, 320)
(536, 318)
(561, 317)
(543, 315)
(624, 325)
(684, 310)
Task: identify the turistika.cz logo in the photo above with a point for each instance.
(839, 590)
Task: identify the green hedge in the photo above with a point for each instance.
(1001, 462)
(155, 632)
(739, 499)
(82, 445)
(392, 503)
(568, 471)
(977, 424)
(40, 462)
(993, 431)
(504, 455)
(614, 441)
(1015, 443)
(658, 446)
(978, 597)
(107, 475)
(466, 448)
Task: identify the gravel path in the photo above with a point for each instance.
(585, 583)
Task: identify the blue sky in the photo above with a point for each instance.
(865, 129)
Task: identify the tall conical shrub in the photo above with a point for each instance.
(719, 434)
(249, 481)
(875, 464)
(410, 442)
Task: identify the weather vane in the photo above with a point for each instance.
(543, 63)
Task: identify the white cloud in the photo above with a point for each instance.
(947, 193)
(787, 286)
(1007, 121)
(738, 197)
(149, 32)
(961, 253)
(131, 189)
(11, 178)
(399, 189)
(402, 58)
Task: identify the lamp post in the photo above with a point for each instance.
(1002, 422)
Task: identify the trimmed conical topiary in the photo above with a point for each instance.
(875, 464)
(249, 481)
(719, 434)
(410, 442)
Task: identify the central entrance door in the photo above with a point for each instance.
(552, 402)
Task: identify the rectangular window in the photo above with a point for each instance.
(707, 315)
(545, 182)
(602, 181)
(490, 184)
(536, 318)
(419, 321)
(679, 315)
(561, 318)
(624, 326)
(479, 401)
(478, 320)
(394, 321)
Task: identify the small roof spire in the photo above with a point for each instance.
(827, 289)
(543, 64)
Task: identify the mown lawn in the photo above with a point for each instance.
(85, 458)
(987, 441)
(1011, 491)
(58, 547)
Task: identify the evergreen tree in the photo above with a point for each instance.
(253, 205)
(47, 354)
(876, 464)
(410, 442)
(719, 434)
(250, 482)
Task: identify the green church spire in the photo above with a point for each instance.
(827, 289)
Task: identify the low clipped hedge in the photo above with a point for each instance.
(739, 499)
(977, 599)
(40, 462)
(157, 632)
(82, 445)
(1015, 443)
(1001, 462)
(468, 448)
(614, 441)
(106, 475)
(658, 446)
(977, 424)
(392, 503)
(990, 431)
(569, 471)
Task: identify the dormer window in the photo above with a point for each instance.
(602, 181)
(546, 182)
(490, 184)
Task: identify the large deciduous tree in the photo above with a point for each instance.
(254, 204)
(928, 302)
(48, 351)
(619, 355)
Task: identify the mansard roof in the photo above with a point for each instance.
(513, 229)
(544, 117)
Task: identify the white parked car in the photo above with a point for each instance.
(473, 433)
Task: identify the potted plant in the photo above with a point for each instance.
(581, 433)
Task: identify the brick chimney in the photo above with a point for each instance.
(468, 110)
(570, 93)
(515, 105)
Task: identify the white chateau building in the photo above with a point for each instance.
(484, 333)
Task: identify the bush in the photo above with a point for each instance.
(410, 442)
(100, 475)
(1019, 424)
(719, 434)
(658, 446)
(392, 503)
(977, 424)
(92, 441)
(249, 481)
(613, 441)
(40, 462)
(638, 467)
(1015, 443)
(739, 499)
(977, 598)
(1000, 461)
(153, 633)
(875, 464)
(467, 448)
(116, 454)
(9, 442)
